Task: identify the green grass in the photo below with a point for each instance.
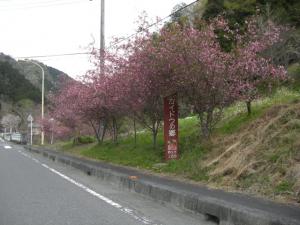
(144, 156)
(67, 145)
(236, 116)
(126, 153)
(283, 187)
(248, 181)
(70, 147)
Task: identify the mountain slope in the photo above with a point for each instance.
(33, 73)
(14, 86)
(20, 86)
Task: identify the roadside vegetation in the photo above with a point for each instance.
(257, 154)
(237, 79)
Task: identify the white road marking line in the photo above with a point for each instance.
(7, 147)
(126, 210)
(28, 156)
(35, 160)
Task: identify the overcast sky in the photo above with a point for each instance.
(47, 27)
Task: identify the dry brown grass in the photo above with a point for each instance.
(263, 157)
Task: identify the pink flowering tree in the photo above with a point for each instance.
(54, 129)
(93, 101)
(178, 59)
(66, 107)
(255, 72)
(195, 66)
(104, 105)
(146, 81)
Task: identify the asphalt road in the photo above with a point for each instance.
(36, 191)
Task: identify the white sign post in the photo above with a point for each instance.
(52, 127)
(30, 119)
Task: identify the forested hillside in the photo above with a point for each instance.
(32, 73)
(14, 86)
(20, 86)
(283, 11)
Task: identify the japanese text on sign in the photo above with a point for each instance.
(171, 127)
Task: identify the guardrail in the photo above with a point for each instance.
(14, 137)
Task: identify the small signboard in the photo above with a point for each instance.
(171, 127)
(30, 118)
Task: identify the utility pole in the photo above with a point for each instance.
(102, 35)
(43, 95)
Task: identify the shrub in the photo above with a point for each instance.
(86, 140)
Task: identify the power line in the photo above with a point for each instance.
(153, 24)
(55, 55)
(118, 42)
(10, 3)
(38, 5)
(28, 2)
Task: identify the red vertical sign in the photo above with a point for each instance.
(171, 127)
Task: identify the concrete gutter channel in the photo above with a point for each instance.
(222, 207)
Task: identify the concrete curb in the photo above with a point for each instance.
(221, 207)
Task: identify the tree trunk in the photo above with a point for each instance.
(204, 129)
(103, 131)
(154, 133)
(76, 138)
(96, 131)
(115, 130)
(206, 121)
(249, 111)
(155, 126)
(134, 128)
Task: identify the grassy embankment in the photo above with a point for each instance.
(259, 154)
